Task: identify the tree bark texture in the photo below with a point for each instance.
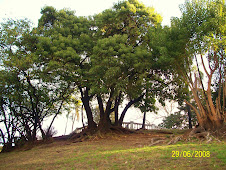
(127, 107)
(209, 115)
(85, 101)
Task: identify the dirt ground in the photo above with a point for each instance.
(135, 139)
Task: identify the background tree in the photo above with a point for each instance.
(27, 94)
(173, 121)
(72, 108)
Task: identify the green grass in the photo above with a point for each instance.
(114, 155)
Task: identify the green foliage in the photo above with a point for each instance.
(199, 35)
(201, 29)
(130, 57)
(27, 95)
(177, 121)
(122, 51)
(63, 41)
(127, 17)
(205, 24)
(104, 53)
(119, 51)
(173, 121)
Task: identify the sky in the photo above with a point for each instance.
(31, 9)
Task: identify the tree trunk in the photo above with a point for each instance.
(189, 116)
(117, 102)
(91, 123)
(127, 107)
(44, 135)
(34, 133)
(2, 136)
(85, 101)
(144, 119)
(7, 146)
(105, 122)
(27, 131)
(124, 112)
(58, 111)
(83, 125)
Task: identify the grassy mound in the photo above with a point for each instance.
(122, 151)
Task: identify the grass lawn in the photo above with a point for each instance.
(117, 153)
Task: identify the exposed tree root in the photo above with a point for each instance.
(200, 134)
(157, 141)
(121, 130)
(174, 140)
(94, 134)
(195, 134)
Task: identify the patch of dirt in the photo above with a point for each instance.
(125, 137)
(142, 138)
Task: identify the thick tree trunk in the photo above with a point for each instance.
(27, 131)
(105, 122)
(85, 101)
(210, 114)
(91, 123)
(7, 146)
(207, 120)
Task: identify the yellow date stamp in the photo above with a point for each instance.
(191, 154)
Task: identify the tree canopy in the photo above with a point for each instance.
(27, 95)
(108, 57)
(199, 37)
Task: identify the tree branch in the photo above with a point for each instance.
(128, 106)
(200, 78)
(204, 66)
(195, 110)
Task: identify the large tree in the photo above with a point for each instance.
(198, 38)
(114, 56)
(126, 64)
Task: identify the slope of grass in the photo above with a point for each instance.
(117, 154)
